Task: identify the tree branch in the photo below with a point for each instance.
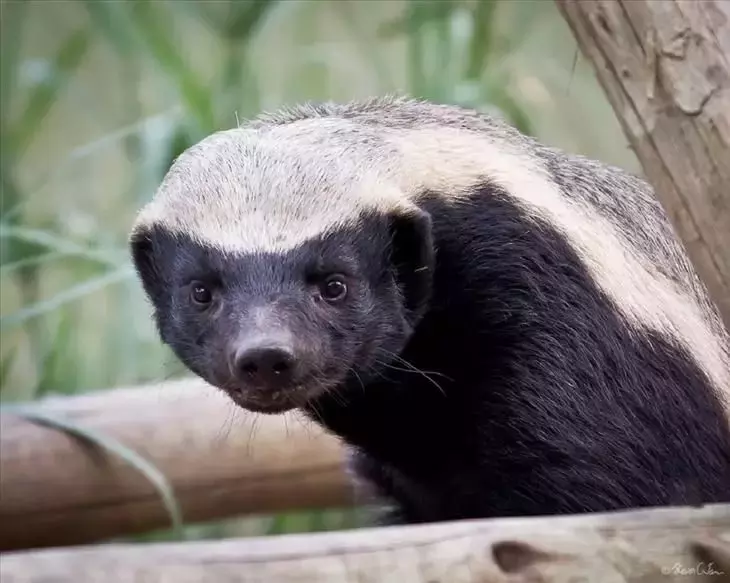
(665, 67)
(676, 544)
(220, 460)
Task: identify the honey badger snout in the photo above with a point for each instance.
(264, 364)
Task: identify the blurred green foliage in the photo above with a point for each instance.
(99, 97)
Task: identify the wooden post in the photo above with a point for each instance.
(660, 545)
(665, 67)
(221, 461)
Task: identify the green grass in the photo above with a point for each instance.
(99, 97)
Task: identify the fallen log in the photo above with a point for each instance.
(221, 461)
(657, 545)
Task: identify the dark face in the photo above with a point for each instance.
(277, 329)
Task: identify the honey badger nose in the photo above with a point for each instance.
(266, 367)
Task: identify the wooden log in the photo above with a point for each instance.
(222, 461)
(665, 67)
(657, 545)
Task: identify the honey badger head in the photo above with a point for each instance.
(282, 264)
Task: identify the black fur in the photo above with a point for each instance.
(521, 390)
(551, 405)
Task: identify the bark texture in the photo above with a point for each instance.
(221, 461)
(665, 67)
(647, 546)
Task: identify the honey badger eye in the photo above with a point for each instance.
(333, 288)
(201, 293)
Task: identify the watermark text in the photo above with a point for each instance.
(708, 569)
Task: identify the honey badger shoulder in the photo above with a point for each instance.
(494, 326)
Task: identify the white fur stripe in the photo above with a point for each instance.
(453, 160)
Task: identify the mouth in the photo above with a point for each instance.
(272, 403)
(256, 406)
(297, 395)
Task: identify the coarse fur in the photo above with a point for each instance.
(522, 332)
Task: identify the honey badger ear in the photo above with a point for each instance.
(143, 251)
(412, 256)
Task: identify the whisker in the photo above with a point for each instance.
(313, 408)
(357, 376)
(415, 368)
(251, 433)
(225, 429)
(305, 423)
(332, 389)
(412, 368)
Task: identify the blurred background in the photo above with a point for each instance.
(99, 96)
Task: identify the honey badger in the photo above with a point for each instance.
(493, 326)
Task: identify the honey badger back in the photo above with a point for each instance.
(495, 327)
